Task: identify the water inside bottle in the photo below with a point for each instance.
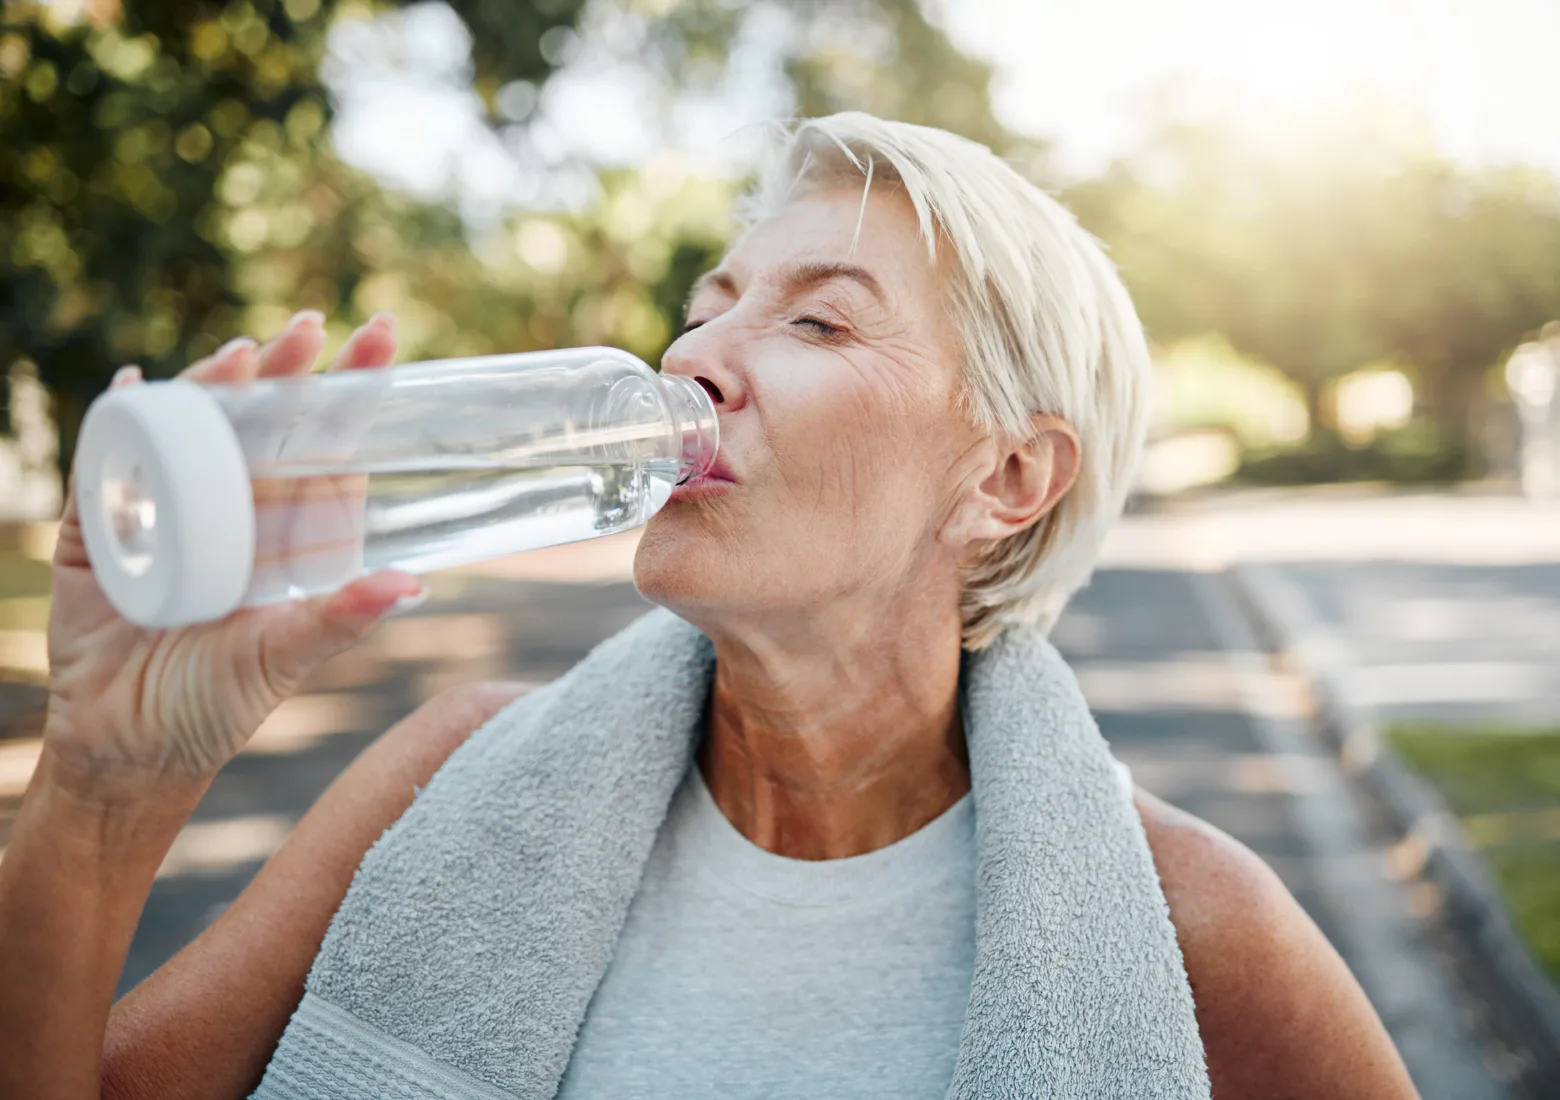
(319, 527)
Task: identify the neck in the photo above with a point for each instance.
(837, 738)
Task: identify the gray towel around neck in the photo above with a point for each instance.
(464, 957)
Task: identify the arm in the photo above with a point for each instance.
(139, 720)
(72, 884)
(204, 1026)
(1279, 1013)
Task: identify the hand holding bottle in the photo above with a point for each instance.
(131, 705)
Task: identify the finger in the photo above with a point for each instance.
(234, 361)
(70, 549)
(372, 345)
(310, 632)
(294, 349)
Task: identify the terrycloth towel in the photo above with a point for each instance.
(464, 957)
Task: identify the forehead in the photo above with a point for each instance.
(833, 227)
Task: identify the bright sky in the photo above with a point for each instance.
(1485, 72)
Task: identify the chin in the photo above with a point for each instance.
(680, 567)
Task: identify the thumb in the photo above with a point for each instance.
(310, 632)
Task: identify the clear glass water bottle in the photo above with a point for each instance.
(199, 499)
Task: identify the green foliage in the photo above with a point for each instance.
(1202, 382)
(167, 180)
(1326, 251)
(1504, 786)
(887, 59)
(149, 154)
(21, 577)
(1419, 453)
(115, 138)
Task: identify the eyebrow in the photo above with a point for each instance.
(817, 273)
(803, 276)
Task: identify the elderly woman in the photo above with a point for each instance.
(836, 823)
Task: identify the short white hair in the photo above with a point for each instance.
(1045, 324)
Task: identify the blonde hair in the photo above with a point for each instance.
(1045, 326)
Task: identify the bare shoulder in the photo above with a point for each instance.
(1279, 1012)
(205, 1024)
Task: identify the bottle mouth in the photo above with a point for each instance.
(693, 410)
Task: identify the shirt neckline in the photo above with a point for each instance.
(942, 847)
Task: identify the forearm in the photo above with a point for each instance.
(75, 876)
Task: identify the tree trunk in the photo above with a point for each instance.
(1316, 411)
(1454, 402)
(69, 411)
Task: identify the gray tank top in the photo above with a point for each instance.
(744, 973)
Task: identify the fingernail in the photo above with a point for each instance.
(233, 345)
(386, 319)
(126, 375)
(306, 317)
(407, 603)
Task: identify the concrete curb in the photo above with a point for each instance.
(1474, 907)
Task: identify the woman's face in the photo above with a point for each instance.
(843, 456)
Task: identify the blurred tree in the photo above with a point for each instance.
(167, 177)
(137, 144)
(1341, 247)
(887, 58)
(1468, 266)
(1269, 249)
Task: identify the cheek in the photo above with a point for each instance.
(845, 482)
(856, 450)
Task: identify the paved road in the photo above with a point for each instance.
(1155, 657)
(1203, 719)
(1448, 605)
(1451, 643)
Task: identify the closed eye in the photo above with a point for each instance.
(823, 328)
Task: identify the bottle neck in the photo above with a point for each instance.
(693, 414)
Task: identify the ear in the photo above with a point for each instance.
(1025, 481)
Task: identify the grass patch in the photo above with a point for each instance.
(1504, 786)
(21, 576)
(24, 613)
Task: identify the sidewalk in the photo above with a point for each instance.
(1432, 848)
(1438, 608)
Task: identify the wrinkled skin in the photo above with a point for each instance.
(828, 564)
(839, 421)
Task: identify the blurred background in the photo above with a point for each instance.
(1331, 621)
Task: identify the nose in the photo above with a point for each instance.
(703, 355)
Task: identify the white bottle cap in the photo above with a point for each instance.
(166, 508)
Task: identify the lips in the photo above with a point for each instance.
(714, 481)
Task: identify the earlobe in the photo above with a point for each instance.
(955, 528)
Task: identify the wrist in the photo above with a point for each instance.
(95, 839)
(91, 788)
